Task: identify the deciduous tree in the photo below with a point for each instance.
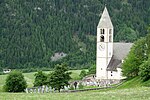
(15, 82)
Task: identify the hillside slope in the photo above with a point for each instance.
(32, 31)
(134, 83)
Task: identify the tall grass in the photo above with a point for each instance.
(141, 93)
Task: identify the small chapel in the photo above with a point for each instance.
(109, 55)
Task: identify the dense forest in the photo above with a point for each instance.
(31, 31)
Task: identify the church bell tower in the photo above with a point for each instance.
(104, 45)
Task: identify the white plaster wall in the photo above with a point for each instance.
(110, 49)
(103, 57)
(101, 72)
(101, 53)
(115, 74)
(106, 35)
(108, 61)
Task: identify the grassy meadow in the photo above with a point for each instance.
(133, 89)
(142, 93)
(29, 77)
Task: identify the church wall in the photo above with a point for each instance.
(110, 49)
(115, 74)
(101, 53)
(104, 49)
(101, 68)
(108, 61)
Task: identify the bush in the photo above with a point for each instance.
(144, 71)
(83, 73)
(1, 73)
(80, 86)
(135, 58)
(71, 87)
(92, 70)
(15, 82)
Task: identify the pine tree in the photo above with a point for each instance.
(60, 77)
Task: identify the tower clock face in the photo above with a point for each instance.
(101, 47)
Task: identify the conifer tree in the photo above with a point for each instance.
(60, 77)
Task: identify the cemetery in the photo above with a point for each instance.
(77, 86)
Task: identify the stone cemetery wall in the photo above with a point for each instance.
(44, 89)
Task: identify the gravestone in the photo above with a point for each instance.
(26, 90)
(65, 87)
(50, 89)
(46, 89)
(61, 90)
(54, 90)
(31, 90)
(43, 88)
(39, 89)
(34, 90)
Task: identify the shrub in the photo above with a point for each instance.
(83, 73)
(80, 86)
(71, 87)
(92, 69)
(15, 82)
(135, 58)
(144, 71)
(1, 73)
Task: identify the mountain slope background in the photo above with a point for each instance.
(33, 31)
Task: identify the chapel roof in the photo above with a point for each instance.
(105, 21)
(120, 51)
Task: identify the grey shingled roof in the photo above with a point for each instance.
(120, 51)
(105, 21)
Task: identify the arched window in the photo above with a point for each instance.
(110, 38)
(110, 31)
(102, 31)
(102, 38)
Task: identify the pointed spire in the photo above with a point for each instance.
(105, 21)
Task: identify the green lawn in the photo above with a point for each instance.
(2, 81)
(29, 77)
(142, 93)
(134, 83)
(132, 89)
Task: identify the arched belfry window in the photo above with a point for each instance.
(110, 31)
(102, 38)
(110, 38)
(102, 31)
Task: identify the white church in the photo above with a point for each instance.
(109, 55)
